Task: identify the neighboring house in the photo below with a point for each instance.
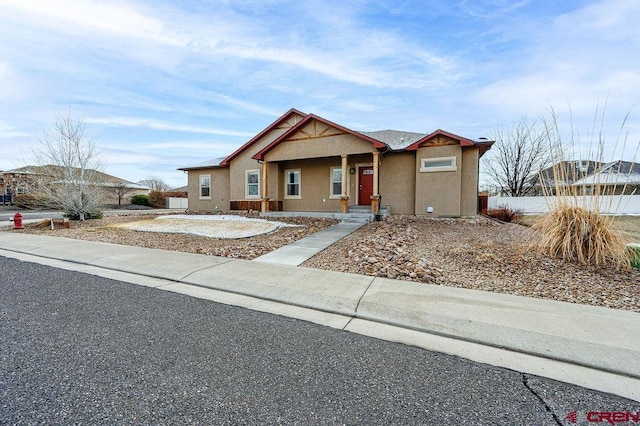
(303, 162)
(183, 191)
(562, 174)
(177, 198)
(23, 181)
(615, 178)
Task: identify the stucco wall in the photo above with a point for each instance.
(315, 183)
(397, 184)
(244, 162)
(219, 190)
(469, 182)
(319, 147)
(440, 190)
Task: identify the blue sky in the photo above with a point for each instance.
(164, 84)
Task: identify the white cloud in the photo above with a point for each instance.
(166, 76)
(203, 146)
(574, 61)
(161, 125)
(8, 131)
(490, 8)
(5, 71)
(116, 18)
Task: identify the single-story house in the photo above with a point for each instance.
(24, 180)
(306, 163)
(614, 178)
(562, 174)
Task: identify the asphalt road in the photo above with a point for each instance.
(8, 213)
(75, 348)
(30, 215)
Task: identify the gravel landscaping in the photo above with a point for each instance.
(477, 254)
(471, 253)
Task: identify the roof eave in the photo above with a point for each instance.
(260, 155)
(282, 118)
(463, 141)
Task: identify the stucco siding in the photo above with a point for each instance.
(319, 147)
(469, 182)
(244, 162)
(315, 185)
(440, 190)
(219, 190)
(397, 182)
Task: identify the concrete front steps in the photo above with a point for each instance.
(355, 214)
(383, 212)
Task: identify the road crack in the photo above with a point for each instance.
(525, 382)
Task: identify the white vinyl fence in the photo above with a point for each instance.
(612, 204)
(177, 203)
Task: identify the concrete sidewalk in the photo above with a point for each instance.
(297, 252)
(589, 346)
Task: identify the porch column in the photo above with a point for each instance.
(375, 198)
(264, 201)
(344, 198)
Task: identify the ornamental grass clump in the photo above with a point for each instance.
(580, 235)
(575, 229)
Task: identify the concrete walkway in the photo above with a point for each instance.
(296, 253)
(589, 346)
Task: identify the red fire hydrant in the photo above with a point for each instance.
(17, 221)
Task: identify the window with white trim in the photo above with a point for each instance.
(205, 187)
(252, 180)
(336, 182)
(292, 182)
(438, 164)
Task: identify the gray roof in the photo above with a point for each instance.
(623, 167)
(214, 163)
(395, 139)
(569, 170)
(614, 173)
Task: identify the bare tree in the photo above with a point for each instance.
(517, 157)
(155, 184)
(69, 168)
(121, 189)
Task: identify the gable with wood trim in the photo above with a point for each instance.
(303, 162)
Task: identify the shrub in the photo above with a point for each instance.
(634, 254)
(575, 230)
(140, 199)
(157, 199)
(30, 201)
(97, 214)
(580, 235)
(504, 214)
(24, 201)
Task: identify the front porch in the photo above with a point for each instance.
(330, 184)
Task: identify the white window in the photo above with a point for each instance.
(439, 164)
(205, 187)
(292, 182)
(252, 179)
(336, 182)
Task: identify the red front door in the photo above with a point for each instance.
(365, 182)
